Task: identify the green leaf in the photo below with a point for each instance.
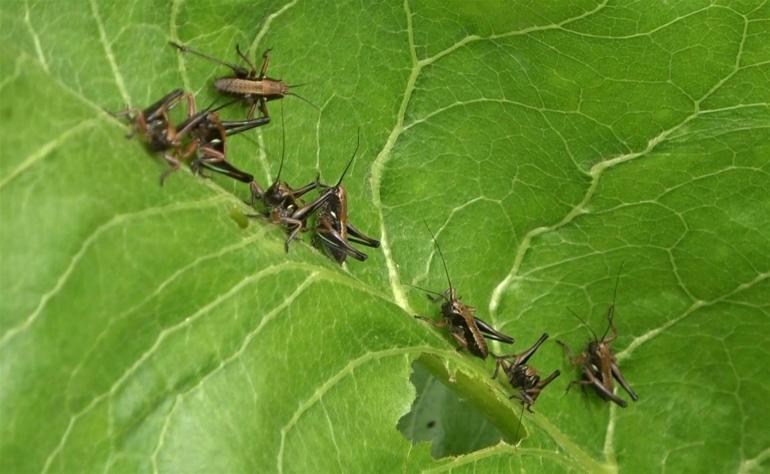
(142, 329)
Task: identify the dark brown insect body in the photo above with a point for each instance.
(159, 134)
(522, 377)
(334, 232)
(468, 330)
(253, 86)
(210, 136)
(598, 365)
(153, 122)
(283, 204)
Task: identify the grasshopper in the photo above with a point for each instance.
(467, 329)
(523, 377)
(334, 231)
(253, 86)
(597, 363)
(159, 134)
(282, 203)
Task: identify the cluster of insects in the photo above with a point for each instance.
(597, 364)
(200, 140)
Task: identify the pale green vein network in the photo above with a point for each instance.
(379, 167)
(383, 157)
(35, 37)
(196, 264)
(47, 148)
(246, 341)
(315, 272)
(596, 174)
(115, 222)
(186, 322)
(119, 82)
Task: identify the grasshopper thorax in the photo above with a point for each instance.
(335, 209)
(523, 376)
(454, 308)
(279, 194)
(159, 135)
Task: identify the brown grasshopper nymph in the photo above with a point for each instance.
(153, 122)
(334, 231)
(282, 204)
(597, 364)
(210, 137)
(523, 377)
(468, 330)
(253, 86)
(159, 134)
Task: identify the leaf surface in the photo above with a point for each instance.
(547, 145)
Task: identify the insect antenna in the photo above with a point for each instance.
(123, 113)
(442, 295)
(358, 142)
(211, 108)
(187, 49)
(303, 99)
(283, 145)
(611, 312)
(443, 260)
(584, 324)
(521, 417)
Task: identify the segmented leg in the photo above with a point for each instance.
(246, 60)
(622, 381)
(234, 127)
(174, 165)
(602, 389)
(335, 241)
(297, 227)
(357, 236)
(265, 63)
(491, 332)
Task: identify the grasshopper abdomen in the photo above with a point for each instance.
(268, 88)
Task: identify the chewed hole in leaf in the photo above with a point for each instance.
(452, 424)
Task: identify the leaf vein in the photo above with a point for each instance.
(108, 53)
(653, 333)
(35, 37)
(161, 337)
(88, 242)
(46, 149)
